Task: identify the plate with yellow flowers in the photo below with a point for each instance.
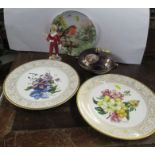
(118, 106)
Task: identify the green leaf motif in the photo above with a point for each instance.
(100, 110)
(28, 88)
(128, 117)
(127, 104)
(131, 109)
(100, 98)
(127, 93)
(77, 18)
(117, 87)
(53, 90)
(95, 101)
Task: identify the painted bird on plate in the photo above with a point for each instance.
(70, 31)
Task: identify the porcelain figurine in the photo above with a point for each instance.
(55, 44)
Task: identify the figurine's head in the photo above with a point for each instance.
(53, 28)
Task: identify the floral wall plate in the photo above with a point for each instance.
(41, 84)
(77, 32)
(118, 106)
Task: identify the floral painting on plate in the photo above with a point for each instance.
(42, 86)
(115, 105)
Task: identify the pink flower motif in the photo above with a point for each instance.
(112, 94)
(114, 117)
(106, 92)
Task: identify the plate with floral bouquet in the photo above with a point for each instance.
(118, 106)
(41, 84)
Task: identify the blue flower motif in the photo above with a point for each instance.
(43, 85)
(39, 93)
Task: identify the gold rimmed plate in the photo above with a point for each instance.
(41, 84)
(118, 106)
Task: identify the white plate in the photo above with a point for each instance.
(118, 106)
(41, 84)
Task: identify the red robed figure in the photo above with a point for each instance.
(54, 42)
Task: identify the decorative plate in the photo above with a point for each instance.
(118, 106)
(77, 32)
(41, 84)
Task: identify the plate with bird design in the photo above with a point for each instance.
(41, 84)
(77, 32)
(118, 106)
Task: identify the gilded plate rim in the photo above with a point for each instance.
(47, 107)
(99, 130)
